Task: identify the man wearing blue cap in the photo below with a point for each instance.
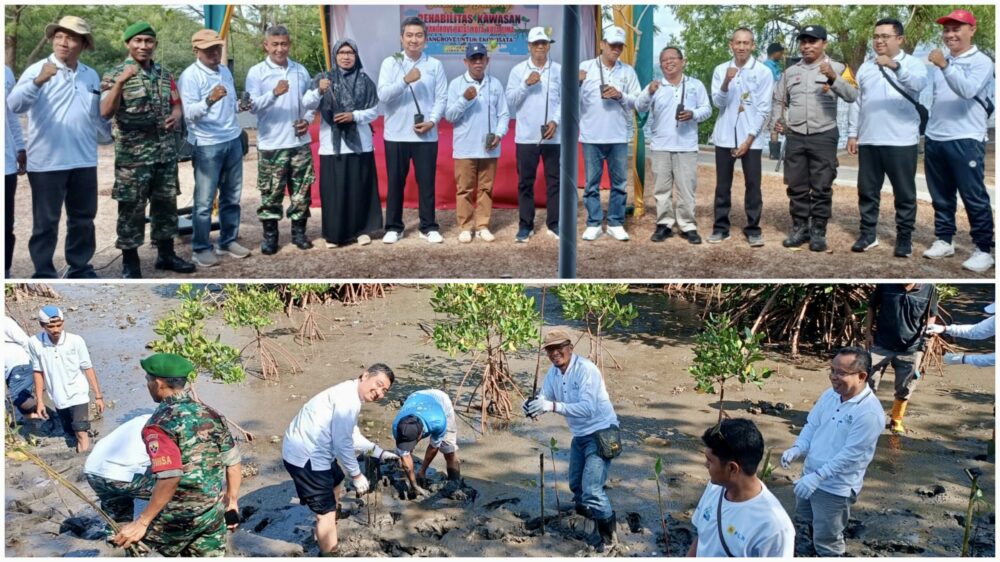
(427, 413)
(61, 365)
(477, 107)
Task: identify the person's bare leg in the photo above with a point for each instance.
(326, 532)
(82, 441)
(454, 467)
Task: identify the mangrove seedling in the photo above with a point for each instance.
(657, 472)
(555, 484)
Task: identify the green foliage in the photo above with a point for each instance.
(767, 468)
(484, 316)
(946, 292)
(552, 445)
(596, 304)
(722, 353)
(183, 332)
(299, 291)
(250, 306)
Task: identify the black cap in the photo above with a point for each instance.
(774, 48)
(408, 432)
(814, 31)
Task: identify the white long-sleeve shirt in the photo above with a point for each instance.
(64, 116)
(881, 116)
(397, 101)
(15, 346)
(363, 118)
(473, 120)
(580, 396)
(839, 440)
(955, 113)
(607, 121)
(326, 428)
(751, 88)
(276, 115)
(13, 136)
(208, 125)
(667, 134)
(980, 331)
(528, 103)
(121, 454)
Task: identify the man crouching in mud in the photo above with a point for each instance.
(575, 388)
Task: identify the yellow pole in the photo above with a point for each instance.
(326, 36)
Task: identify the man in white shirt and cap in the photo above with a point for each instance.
(608, 89)
(883, 131)
(62, 98)
(955, 147)
(534, 95)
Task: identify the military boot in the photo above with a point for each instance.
(269, 245)
(799, 234)
(130, 264)
(604, 534)
(299, 235)
(817, 235)
(168, 260)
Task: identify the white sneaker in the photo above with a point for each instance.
(980, 262)
(552, 234)
(465, 237)
(486, 235)
(234, 249)
(940, 249)
(391, 237)
(591, 233)
(434, 237)
(330, 245)
(618, 232)
(364, 240)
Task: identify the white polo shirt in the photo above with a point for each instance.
(276, 115)
(121, 454)
(839, 440)
(881, 116)
(528, 103)
(62, 366)
(955, 113)
(13, 137)
(667, 134)
(755, 528)
(583, 399)
(15, 346)
(751, 88)
(64, 116)
(208, 125)
(396, 98)
(473, 120)
(607, 121)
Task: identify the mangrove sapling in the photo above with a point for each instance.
(307, 296)
(767, 468)
(251, 306)
(555, 484)
(541, 488)
(976, 502)
(657, 471)
(597, 306)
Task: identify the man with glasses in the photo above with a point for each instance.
(883, 131)
(574, 388)
(838, 442)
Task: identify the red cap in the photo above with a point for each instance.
(960, 16)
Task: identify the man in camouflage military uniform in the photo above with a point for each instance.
(142, 98)
(804, 109)
(191, 450)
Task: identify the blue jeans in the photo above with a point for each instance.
(217, 166)
(594, 156)
(587, 474)
(955, 168)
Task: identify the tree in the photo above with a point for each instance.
(251, 306)
(721, 353)
(597, 306)
(490, 320)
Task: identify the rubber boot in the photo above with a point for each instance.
(583, 511)
(817, 235)
(604, 534)
(799, 234)
(168, 260)
(130, 264)
(269, 244)
(896, 417)
(299, 235)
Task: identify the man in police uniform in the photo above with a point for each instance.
(196, 465)
(805, 110)
(141, 97)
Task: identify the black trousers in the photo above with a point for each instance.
(810, 168)
(900, 164)
(77, 190)
(527, 168)
(10, 189)
(753, 203)
(397, 163)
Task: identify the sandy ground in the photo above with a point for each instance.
(605, 258)
(913, 502)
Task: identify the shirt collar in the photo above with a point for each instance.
(46, 340)
(546, 66)
(858, 397)
(154, 67)
(469, 79)
(613, 68)
(275, 66)
(972, 50)
(179, 397)
(751, 62)
(423, 57)
(208, 70)
(61, 65)
(572, 364)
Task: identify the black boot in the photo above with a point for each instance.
(604, 535)
(583, 511)
(299, 235)
(799, 234)
(269, 245)
(167, 259)
(130, 264)
(817, 235)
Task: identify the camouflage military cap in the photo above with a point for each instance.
(167, 366)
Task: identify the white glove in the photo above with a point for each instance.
(539, 406)
(934, 329)
(361, 484)
(388, 456)
(954, 358)
(806, 485)
(422, 492)
(789, 456)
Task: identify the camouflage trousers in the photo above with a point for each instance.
(203, 535)
(134, 187)
(118, 498)
(292, 167)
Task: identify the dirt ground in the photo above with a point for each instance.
(913, 502)
(604, 258)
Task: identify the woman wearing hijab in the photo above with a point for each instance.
(348, 184)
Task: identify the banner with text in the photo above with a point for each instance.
(503, 29)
